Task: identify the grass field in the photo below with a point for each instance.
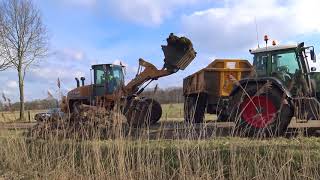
(23, 157)
(14, 116)
(172, 111)
(217, 158)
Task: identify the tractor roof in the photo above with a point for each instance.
(272, 48)
(106, 65)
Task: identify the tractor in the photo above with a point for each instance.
(261, 99)
(108, 88)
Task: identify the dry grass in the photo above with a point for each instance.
(217, 158)
(175, 111)
(129, 158)
(14, 116)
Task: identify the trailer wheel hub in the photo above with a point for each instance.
(258, 111)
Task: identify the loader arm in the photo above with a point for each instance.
(178, 53)
(150, 72)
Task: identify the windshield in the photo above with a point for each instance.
(99, 75)
(279, 64)
(108, 77)
(114, 78)
(285, 62)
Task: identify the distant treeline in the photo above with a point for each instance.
(165, 96)
(32, 105)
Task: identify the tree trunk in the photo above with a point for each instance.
(21, 91)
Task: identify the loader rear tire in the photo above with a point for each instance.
(194, 108)
(259, 114)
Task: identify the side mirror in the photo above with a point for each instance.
(313, 69)
(313, 55)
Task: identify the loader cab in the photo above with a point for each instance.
(107, 78)
(285, 63)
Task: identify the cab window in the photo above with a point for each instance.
(260, 64)
(99, 76)
(285, 62)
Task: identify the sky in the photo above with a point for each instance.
(87, 32)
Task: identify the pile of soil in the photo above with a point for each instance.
(92, 124)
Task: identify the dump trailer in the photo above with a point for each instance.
(210, 87)
(261, 99)
(108, 88)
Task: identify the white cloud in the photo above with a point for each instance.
(147, 12)
(73, 54)
(232, 27)
(12, 84)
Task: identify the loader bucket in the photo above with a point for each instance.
(179, 53)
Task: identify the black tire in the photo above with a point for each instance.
(154, 111)
(194, 108)
(142, 111)
(132, 112)
(75, 107)
(263, 114)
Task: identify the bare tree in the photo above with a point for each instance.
(23, 38)
(4, 62)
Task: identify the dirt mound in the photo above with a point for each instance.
(97, 124)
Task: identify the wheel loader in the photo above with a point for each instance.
(108, 87)
(261, 99)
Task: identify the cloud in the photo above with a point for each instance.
(146, 12)
(12, 84)
(232, 27)
(73, 54)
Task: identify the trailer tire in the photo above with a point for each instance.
(260, 114)
(194, 108)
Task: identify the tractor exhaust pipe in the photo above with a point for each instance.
(78, 82)
(82, 80)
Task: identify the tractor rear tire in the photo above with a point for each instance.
(194, 108)
(260, 114)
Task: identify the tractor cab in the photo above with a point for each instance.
(287, 63)
(107, 79)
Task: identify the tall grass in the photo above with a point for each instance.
(217, 158)
(72, 151)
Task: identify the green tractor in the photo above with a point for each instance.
(281, 85)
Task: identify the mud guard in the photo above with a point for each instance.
(274, 82)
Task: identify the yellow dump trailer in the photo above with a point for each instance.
(213, 84)
(217, 78)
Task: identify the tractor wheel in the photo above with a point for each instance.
(194, 108)
(259, 113)
(154, 111)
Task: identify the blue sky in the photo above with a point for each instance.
(86, 32)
